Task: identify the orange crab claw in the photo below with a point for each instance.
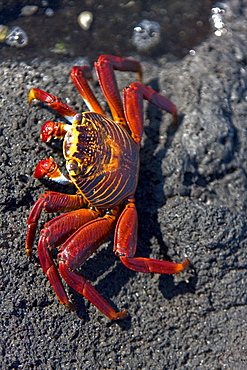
(49, 168)
(46, 167)
(52, 129)
(52, 101)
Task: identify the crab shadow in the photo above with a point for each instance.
(150, 195)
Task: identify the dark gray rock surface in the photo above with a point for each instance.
(192, 201)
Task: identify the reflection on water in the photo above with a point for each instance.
(217, 20)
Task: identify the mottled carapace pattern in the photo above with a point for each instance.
(105, 168)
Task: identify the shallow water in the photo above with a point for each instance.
(183, 26)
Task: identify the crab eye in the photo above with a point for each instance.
(73, 167)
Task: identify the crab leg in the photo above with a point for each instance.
(57, 230)
(51, 272)
(53, 102)
(133, 106)
(125, 247)
(79, 76)
(49, 202)
(53, 234)
(76, 250)
(82, 286)
(105, 67)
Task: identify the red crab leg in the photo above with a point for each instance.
(105, 67)
(54, 233)
(49, 202)
(76, 250)
(52, 102)
(125, 246)
(79, 76)
(133, 106)
(57, 230)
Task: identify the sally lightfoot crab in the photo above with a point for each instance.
(102, 160)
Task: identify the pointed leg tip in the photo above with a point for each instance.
(175, 118)
(121, 315)
(28, 251)
(185, 264)
(31, 96)
(71, 306)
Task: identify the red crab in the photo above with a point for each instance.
(102, 160)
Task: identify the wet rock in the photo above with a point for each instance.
(146, 35)
(16, 37)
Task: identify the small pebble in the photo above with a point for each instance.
(28, 10)
(85, 20)
(49, 12)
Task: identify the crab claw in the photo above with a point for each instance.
(52, 129)
(52, 101)
(47, 131)
(40, 95)
(46, 167)
(49, 168)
